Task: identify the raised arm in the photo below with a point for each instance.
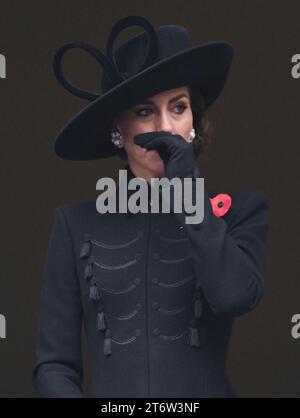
(230, 258)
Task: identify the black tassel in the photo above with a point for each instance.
(193, 337)
(94, 292)
(107, 343)
(86, 247)
(88, 271)
(101, 321)
(198, 308)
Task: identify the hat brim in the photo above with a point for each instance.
(86, 135)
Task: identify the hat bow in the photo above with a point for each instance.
(108, 61)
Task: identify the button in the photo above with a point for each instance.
(154, 280)
(156, 331)
(138, 306)
(137, 332)
(155, 305)
(138, 256)
(137, 280)
(155, 256)
(140, 234)
(220, 204)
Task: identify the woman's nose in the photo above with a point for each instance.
(163, 123)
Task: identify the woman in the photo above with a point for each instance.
(157, 296)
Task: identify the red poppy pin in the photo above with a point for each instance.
(220, 204)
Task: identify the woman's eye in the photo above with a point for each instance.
(182, 107)
(143, 111)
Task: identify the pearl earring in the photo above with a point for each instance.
(116, 139)
(192, 135)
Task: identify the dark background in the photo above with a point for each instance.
(255, 146)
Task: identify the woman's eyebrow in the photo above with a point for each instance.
(179, 96)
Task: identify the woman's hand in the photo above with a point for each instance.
(174, 150)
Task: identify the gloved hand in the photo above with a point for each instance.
(174, 150)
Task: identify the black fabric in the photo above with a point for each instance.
(131, 281)
(174, 150)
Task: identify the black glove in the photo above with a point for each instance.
(174, 150)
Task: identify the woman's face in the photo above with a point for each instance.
(168, 111)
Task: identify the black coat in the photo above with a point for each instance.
(157, 298)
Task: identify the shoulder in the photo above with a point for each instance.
(75, 215)
(73, 209)
(245, 204)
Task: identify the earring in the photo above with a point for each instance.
(192, 135)
(116, 139)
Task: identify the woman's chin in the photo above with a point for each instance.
(153, 155)
(154, 160)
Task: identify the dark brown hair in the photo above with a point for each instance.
(202, 125)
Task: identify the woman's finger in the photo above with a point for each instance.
(157, 143)
(149, 136)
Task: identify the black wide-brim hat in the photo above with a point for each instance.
(157, 59)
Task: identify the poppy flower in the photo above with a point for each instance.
(220, 204)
